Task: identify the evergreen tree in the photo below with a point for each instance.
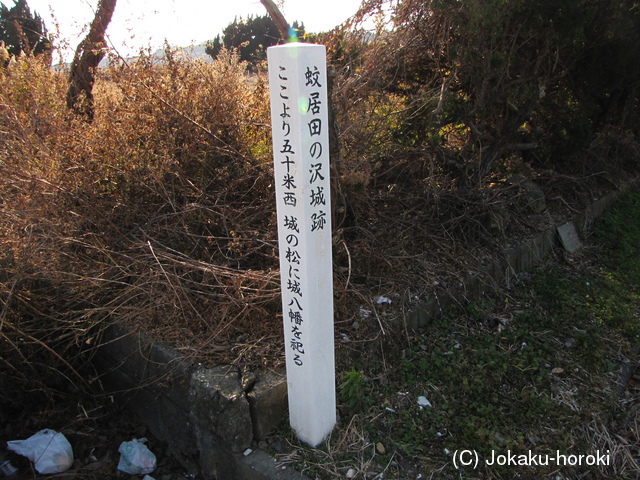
(250, 37)
(23, 32)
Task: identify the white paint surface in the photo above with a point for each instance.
(299, 108)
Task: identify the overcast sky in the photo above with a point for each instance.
(147, 23)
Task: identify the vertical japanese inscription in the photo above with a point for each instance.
(314, 113)
(297, 78)
(290, 195)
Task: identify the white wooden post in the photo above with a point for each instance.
(298, 87)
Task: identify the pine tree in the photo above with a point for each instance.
(250, 37)
(23, 32)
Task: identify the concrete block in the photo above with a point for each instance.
(202, 413)
(151, 380)
(218, 403)
(268, 403)
(221, 419)
(569, 237)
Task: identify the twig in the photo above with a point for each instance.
(179, 112)
(378, 318)
(346, 286)
(6, 304)
(50, 350)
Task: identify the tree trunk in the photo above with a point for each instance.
(277, 16)
(86, 60)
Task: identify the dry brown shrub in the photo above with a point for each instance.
(159, 213)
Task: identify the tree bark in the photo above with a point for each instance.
(277, 16)
(88, 56)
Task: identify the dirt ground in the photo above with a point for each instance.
(95, 428)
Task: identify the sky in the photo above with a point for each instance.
(140, 24)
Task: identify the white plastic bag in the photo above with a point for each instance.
(49, 450)
(136, 458)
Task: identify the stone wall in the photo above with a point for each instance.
(512, 261)
(209, 416)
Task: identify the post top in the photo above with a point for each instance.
(297, 45)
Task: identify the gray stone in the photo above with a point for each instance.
(496, 220)
(202, 413)
(152, 380)
(569, 237)
(221, 420)
(268, 403)
(219, 404)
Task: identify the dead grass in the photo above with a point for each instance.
(154, 214)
